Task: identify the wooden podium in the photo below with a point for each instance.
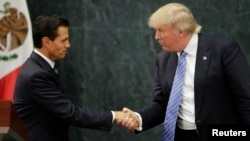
(11, 126)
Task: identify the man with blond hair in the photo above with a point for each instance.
(215, 86)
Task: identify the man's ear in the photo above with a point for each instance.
(46, 42)
(182, 33)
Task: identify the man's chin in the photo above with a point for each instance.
(165, 49)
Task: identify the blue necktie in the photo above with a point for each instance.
(174, 100)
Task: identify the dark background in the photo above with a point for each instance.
(110, 63)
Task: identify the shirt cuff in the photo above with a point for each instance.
(140, 124)
(113, 116)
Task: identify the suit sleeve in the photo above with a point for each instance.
(238, 74)
(153, 114)
(47, 93)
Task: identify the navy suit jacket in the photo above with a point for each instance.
(221, 85)
(46, 111)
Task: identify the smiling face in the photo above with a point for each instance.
(58, 48)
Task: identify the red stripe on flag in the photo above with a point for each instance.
(7, 85)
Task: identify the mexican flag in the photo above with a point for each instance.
(16, 43)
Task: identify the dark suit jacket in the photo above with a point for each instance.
(46, 111)
(221, 85)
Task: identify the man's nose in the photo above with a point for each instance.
(157, 35)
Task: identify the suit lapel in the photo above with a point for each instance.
(41, 62)
(202, 63)
(171, 68)
(167, 67)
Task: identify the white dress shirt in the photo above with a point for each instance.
(186, 116)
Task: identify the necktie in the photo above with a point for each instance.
(55, 71)
(174, 100)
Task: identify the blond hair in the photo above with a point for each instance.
(176, 15)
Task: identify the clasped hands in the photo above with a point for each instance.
(127, 118)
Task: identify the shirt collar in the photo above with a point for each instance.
(192, 46)
(51, 63)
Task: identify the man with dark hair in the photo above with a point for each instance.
(39, 98)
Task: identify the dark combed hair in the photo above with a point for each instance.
(46, 26)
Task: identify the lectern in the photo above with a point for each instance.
(11, 126)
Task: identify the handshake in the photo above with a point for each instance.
(127, 119)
